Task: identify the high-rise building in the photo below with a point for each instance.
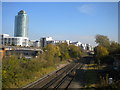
(21, 24)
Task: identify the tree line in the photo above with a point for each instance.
(105, 50)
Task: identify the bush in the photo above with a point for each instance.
(107, 60)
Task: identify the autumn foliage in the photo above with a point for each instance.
(16, 72)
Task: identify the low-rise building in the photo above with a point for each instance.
(78, 43)
(45, 41)
(6, 40)
(49, 40)
(61, 41)
(67, 41)
(36, 43)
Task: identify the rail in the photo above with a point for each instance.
(56, 78)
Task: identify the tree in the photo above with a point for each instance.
(74, 51)
(102, 40)
(100, 52)
(64, 50)
(114, 48)
(52, 53)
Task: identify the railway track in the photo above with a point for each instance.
(59, 79)
(67, 79)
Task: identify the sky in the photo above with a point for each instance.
(76, 21)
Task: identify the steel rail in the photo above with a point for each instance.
(61, 75)
(60, 79)
(66, 77)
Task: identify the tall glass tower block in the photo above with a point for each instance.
(21, 24)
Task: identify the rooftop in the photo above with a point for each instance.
(22, 12)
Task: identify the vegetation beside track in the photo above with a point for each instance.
(107, 54)
(17, 73)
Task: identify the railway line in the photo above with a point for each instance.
(66, 81)
(58, 79)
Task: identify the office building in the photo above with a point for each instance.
(21, 24)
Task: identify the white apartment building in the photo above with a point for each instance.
(61, 41)
(17, 41)
(49, 40)
(88, 47)
(67, 41)
(78, 43)
(45, 41)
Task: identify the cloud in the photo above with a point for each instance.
(87, 9)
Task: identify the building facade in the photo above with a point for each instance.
(21, 24)
(6, 40)
(76, 43)
(45, 41)
(34, 43)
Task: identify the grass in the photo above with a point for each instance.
(93, 78)
(89, 76)
(41, 73)
(93, 67)
(38, 75)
